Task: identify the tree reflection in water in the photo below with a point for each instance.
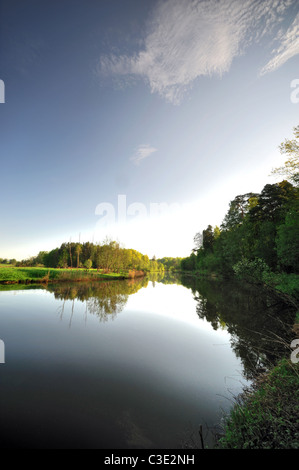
(260, 323)
(105, 299)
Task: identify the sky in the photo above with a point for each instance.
(139, 120)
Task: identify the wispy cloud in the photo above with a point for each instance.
(187, 39)
(288, 48)
(143, 151)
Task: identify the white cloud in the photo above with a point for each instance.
(142, 152)
(187, 39)
(289, 47)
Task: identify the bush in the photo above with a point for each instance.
(256, 270)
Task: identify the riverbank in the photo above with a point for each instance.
(266, 415)
(39, 275)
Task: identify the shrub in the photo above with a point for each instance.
(256, 270)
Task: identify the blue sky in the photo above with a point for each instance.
(115, 109)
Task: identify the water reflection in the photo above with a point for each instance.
(139, 380)
(104, 299)
(260, 324)
(169, 277)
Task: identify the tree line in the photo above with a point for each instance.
(108, 256)
(8, 261)
(260, 231)
(171, 264)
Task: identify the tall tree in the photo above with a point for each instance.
(208, 238)
(78, 250)
(70, 248)
(273, 202)
(198, 239)
(238, 208)
(290, 170)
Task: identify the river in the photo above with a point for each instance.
(138, 364)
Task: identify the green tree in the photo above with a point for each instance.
(88, 263)
(78, 250)
(287, 242)
(63, 257)
(189, 263)
(88, 252)
(290, 170)
(238, 208)
(51, 258)
(208, 238)
(264, 245)
(273, 202)
(40, 258)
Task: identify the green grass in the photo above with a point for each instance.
(27, 275)
(267, 417)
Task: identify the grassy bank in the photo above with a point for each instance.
(13, 275)
(267, 415)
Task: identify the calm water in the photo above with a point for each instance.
(129, 364)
